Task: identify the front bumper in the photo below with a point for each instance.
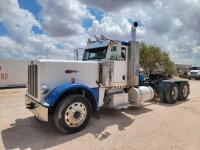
(194, 76)
(40, 111)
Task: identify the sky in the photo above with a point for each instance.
(31, 29)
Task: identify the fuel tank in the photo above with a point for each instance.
(140, 94)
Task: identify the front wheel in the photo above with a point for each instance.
(72, 114)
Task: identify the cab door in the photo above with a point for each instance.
(119, 57)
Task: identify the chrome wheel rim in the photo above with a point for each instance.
(174, 93)
(75, 114)
(185, 90)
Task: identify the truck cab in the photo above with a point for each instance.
(111, 52)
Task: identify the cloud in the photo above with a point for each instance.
(113, 5)
(172, 25)
(63, 18)
(17, 21)
(176, 24)
(22, 43)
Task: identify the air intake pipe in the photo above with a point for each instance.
(133, 59)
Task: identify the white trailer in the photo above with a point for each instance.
(13, 73)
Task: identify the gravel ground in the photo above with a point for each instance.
(155, 126)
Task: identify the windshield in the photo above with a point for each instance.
(195, 68)
(95, 53)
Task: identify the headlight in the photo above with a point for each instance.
(44, 90)
(198, 72)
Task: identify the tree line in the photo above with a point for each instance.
(152, 58)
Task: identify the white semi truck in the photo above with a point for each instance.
(107, 76)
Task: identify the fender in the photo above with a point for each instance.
(54, 95)
(165, 85)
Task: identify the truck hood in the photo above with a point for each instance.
(64, 61)
(53, 73)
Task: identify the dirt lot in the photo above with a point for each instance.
(156, 126)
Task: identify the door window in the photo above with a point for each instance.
(113, 55)
(123, 53)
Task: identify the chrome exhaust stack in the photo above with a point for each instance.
(133, 31)
(133, 59)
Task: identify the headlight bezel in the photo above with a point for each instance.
(44, 90)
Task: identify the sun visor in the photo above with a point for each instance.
(98, 44)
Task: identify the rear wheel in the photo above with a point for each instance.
(172, 95)
(184, 91)
(162, 97)
(72, 114)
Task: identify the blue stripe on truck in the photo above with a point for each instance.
(95, 92)
(54, 95)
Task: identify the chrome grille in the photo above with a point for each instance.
(33, 80)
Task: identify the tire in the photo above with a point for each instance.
(184, 91)
(172, 95)
(72, 114)
(162, 97)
